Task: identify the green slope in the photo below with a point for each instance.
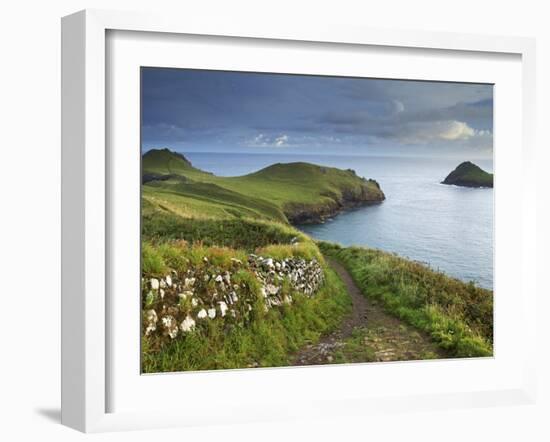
(165, 162)
(468, 174)
(297, 192)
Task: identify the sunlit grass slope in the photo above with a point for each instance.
(458, 315)
(281, 192)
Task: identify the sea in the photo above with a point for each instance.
(449, 228)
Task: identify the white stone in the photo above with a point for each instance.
(151, 318)
(154, 284)
(211, 313)
(274, 301)
(271, 289)
(223, 308)
(188, 324)
(169, 323)
(161, 291)
(219, 278)
(202, 314)
(189, 282)
(168, 280)
(162, 283)
(186, 294)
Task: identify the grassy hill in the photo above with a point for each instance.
(165, 162)
(292, 192)
(468, 174)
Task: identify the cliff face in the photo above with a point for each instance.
(468, 174)
(366, 194)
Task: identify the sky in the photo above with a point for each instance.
(217, 111)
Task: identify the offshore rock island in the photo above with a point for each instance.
(468, 174)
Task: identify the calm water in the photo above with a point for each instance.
(448, 227)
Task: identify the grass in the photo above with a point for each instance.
(267, 339)
(457, 315)
(355, 349)
(189, 215)
(160, 225)
(469, 174)
(208, 200)
(278, 192)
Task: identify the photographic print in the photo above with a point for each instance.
(295, 220)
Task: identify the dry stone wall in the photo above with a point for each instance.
(177, 304)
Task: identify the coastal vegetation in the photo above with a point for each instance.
(291, 192)
(236, 330)
(206, 301)
(458, 316)
(229, 281)
(468, 174)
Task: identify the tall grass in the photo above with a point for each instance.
(269, 339)
(458, 315)
(247, 234)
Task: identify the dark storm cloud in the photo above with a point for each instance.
(217, 110)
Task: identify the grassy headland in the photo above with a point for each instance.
(468, 174)
(292, 192)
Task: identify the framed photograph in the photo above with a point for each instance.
(292, 222)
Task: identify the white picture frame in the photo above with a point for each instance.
(86, 207)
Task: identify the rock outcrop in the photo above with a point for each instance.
(367, 194)
(468, 174)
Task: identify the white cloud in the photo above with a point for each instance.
(258, 139)
(262, 140)
(281, 140)
(430, 131)
(398, 106)
(456, 130)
